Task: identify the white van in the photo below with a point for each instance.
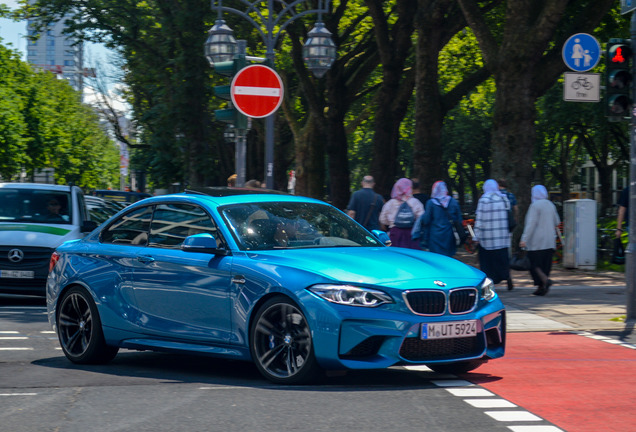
(34, 220)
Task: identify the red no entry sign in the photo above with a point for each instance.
(257, 91)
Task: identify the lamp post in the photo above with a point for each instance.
(319, 52)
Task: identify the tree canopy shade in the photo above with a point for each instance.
(434, 89)
(522, 46)
(43, 124)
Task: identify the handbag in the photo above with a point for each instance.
(618, 254)
(520, 261)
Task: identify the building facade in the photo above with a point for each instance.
(57, 53)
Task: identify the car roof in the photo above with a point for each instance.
(40, 186)
(231, 196)
(221, 191)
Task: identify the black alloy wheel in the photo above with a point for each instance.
(79, 329)
(281, 343)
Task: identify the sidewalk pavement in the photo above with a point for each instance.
(578, 301)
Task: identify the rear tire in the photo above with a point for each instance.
(79, 329)
(457, 367)
(281, 343)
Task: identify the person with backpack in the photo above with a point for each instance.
(436, 226)
(400, 214)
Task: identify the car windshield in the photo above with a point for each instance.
(35, 205)
(285, 225)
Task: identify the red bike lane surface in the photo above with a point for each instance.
(577, 383)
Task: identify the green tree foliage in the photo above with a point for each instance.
(43, 124)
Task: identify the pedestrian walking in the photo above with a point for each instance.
(435, 226)
(365, 205)
(492, 233)
(400, 213)
(539, 238)
(417, 193)
(623, 212)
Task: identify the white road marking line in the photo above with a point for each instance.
(18, 394)
(47, 332)
(16, 349)
(453, 383)
(490, 403)
(217, 388)
(510, 416)
(534, 429)
(421, 368)
(469, 392)
(8, 332)
(13, 337)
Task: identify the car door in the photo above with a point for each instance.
(182, 294)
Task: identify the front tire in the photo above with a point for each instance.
(79, 329)
(281, 343)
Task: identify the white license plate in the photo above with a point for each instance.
(17, 274)
(450, 329)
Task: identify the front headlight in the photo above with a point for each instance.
(351, 295)
(487, 289)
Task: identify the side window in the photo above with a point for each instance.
(131, 228)
(172, 223)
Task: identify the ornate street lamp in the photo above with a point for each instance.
(319, 51)
(221, 44)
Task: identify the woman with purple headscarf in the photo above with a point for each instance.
(435, 227)
(492, 233)
(396, 218)
(539, 238)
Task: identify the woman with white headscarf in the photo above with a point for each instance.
(435, 226)
(492, 233)
(539, 238)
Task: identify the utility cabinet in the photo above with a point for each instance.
(579, 232)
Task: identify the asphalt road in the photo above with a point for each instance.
(547, 382)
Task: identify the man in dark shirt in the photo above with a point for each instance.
(417, 193)
(365, 205)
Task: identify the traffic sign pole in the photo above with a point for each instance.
(630, 253)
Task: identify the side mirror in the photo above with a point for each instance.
(202, 243)
(382, 236)
(88, 226)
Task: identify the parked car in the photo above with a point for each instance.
(34, 220)
(290, 283)
(101, 209)
(125, 197)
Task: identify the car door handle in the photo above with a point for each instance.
(239, 279)
(145, 259)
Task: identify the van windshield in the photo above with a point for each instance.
(35, 206)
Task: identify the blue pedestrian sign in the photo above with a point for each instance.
(581, 52)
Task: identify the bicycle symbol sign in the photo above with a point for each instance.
(581, 87)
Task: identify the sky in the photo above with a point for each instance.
(12, 34)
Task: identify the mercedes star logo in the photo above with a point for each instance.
(15, 255)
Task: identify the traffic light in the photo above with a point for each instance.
(229, 115)
(618, 84)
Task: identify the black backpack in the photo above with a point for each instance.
(405, 218)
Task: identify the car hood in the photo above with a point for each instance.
(21, 234)
(398, 267)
